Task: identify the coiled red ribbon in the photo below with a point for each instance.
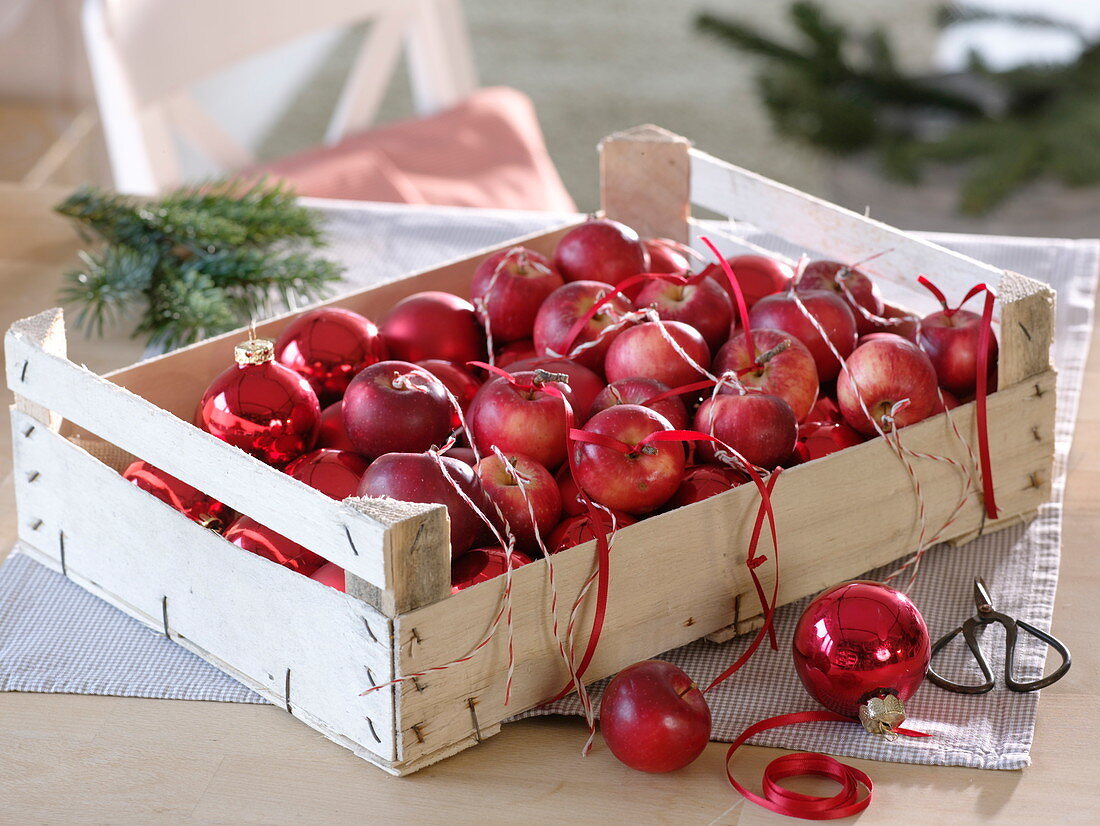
(846, 802)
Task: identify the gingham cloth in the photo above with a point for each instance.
(55, 637)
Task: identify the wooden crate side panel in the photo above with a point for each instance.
(349, 534)
(644, 181)
(176, 380)
(679, 577)
(233, 607)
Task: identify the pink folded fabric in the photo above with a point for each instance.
(486, 152)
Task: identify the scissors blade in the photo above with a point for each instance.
(982, 599)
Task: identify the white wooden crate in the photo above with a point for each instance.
(676, 577)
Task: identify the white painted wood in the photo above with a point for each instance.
(230, 606)
(441, 66)
(206, 134)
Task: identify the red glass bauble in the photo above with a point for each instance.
(577, 530)
(192, 503)
(860, 640)
(704, 481)
(335, 473)
(249, 534)
(481, 565)
(333, 435)
(331, 575)
(261, 406)
(328, 346)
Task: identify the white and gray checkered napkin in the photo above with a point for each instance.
(55, 637)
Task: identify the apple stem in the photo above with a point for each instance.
(767, 356)
(541, 377)
(690, 688)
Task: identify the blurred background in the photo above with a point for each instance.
(982, 117)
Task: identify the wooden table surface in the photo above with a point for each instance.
(86, 759)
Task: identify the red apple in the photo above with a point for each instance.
(825, 411)
(757, 276)
(704, 481)
(666, 255)
(759, 426)
(654, 718)
(600, 250)
(876, 335)
(780, 312)
(463, 454)
(571, 502)
(457, 379)
(333, 435)
(434, 325)
(250, 535)
(396, 407)
(417, 477)
(515, 351)
(576, 530)
(817, 439)
(520, 419)
(330, 575)
(640, 391)
(327, 347)
(828, 275)
(503, 489)
(783, 367)
(886, 371)
(950, 401)
(899, 321)
(704, 305)
(637, 482)
(481, 565)
(950, 338)
(508, 287)
(643, 351)
(584, 384)
(568, 304)
(336, 473)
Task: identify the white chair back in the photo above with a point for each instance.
(147, 55)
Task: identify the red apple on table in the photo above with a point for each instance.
(418, 477)
(564, 308)
(481, 565)
(781, 312)
(331, 575)
(333, 435)
(951, 339)
(539, 496)
(782, 366)
(434, 325)
(515, 351)
(336, 473)
(522, 419)
(704, 481)
(396, 407)
(640, 391)
(250, 535)
(576, 530)
(886, 371)
(508, 288)
(584, 384)
(644, 351)
(703, 305)
(862, 292)
(654, 718)
(759, 426)
(600, 250)
(458, 380)
(666, 255)
(757, 275)
(636, 482)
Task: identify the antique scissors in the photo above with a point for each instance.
(986, 616)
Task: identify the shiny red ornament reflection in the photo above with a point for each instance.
(191, 502)
(331, 575)
(328, 347)
(481, 565)
(857, 641)
(335, 473)
(333, 435)
(250, 535)
(818, 439)
(261, 407)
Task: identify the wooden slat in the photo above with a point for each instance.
(232, 607)
(644, 181)
(678, 576)
(1027, 328)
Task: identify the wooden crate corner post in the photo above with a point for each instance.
(43, 332)
(645, 181)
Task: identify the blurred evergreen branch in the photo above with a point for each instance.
(197, 262)
(844, 92)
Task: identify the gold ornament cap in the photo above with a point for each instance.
(882, 715)
(254, 351)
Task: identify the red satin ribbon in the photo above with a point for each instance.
(776, 798)
(985, 334)
(735, 286)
